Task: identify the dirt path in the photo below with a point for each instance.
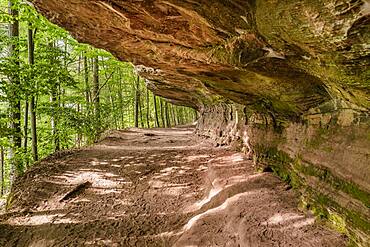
(156, 188)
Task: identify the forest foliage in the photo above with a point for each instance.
(57, 94)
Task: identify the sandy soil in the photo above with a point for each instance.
(160, 187)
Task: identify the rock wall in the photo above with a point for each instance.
(325, 156)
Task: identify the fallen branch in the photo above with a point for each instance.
(76, 191)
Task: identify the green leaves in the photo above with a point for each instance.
(61, 82)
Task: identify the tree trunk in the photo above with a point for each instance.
(156, 111)
(55, 107)
(120, 95)
(25, 130)
(2, 163)
(168, 122)
(15, 103)
(79, 134)
(113, 105)
(54, 119)
(96, 94)
(31, 61)
(181, 116)
(162, 113)
(141, 111)
(147, 108)
(174, 115)
(87, 86)
(178, 116)
(137, 99)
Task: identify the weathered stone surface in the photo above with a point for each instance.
(326, 157)
(288, 80)
(283, 56)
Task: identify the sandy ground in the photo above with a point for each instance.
(162, 187)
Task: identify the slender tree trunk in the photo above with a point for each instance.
(173, 108)
(120, 95)
(141, 112)
(54, 117)
(181, 116)
(15, 103)
(79, 135)
(33, 129)
(168, 122)
(25, 130)
(55, 108)
(31, 61)
(96, 93)
(178, 116)
(2, 163)
(113, 105)
(87, 86)
(79, 66)
(162, 113)
(137, 99)
(156, 111)
(169, 114)
(147, 108)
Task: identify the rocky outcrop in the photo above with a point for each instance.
(325, 157)
(294, 74)
(284, 56)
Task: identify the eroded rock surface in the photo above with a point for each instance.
(285, 56)
(294, 74)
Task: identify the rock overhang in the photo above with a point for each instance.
(285, 57)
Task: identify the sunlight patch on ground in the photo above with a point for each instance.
(164, 132)
(174, 191)
(225, 160)
(215, 190)
(106, 191)
(215, 210)
(94, 163)
(42, 243)
(236, 158)
(156, 184)
(100, 241)
(212, 193)
(125, 202)
(218, 185)
(196, 157)
(79, 200)
(97, 178)
(202, 168)
(242, 178)
(309, 221)
(169, 169)
(278, 218)
(37, 220)
(151, 148)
